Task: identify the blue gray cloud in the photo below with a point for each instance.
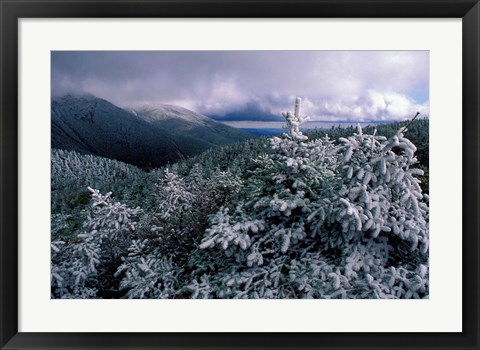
(233, 85)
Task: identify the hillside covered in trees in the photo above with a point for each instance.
(146, 137)
(338, 213)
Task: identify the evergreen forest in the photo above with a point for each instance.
(335, 213)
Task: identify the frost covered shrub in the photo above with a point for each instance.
(175, 200)
(72, 172)
(321, 221)
(146, 274)
(149, 268)
(74, 267)
(258, 233)
(81, 267)
(379, 192)
(182, 205)
(152, 268)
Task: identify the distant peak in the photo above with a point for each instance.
(161, 111)
(75, 96)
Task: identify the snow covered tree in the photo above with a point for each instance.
(380, 192)
(260, 230)
(174, 198)
(147, 274)
(96, 252)
(322, 221)
(150, 268)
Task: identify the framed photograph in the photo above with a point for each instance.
(217, 174)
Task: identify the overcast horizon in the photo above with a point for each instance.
(252, 87)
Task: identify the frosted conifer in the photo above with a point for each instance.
(322, 221)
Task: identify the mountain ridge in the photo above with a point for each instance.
(147, 138)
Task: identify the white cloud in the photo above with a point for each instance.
(334, 84)
(373, 105)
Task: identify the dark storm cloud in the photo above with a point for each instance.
(334, 84)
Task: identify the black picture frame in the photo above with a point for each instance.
(11, 11)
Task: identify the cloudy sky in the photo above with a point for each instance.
(253, 85)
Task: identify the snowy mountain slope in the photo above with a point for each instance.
(165, 112)
(147, 137)
(95, 126)
(183, 123)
